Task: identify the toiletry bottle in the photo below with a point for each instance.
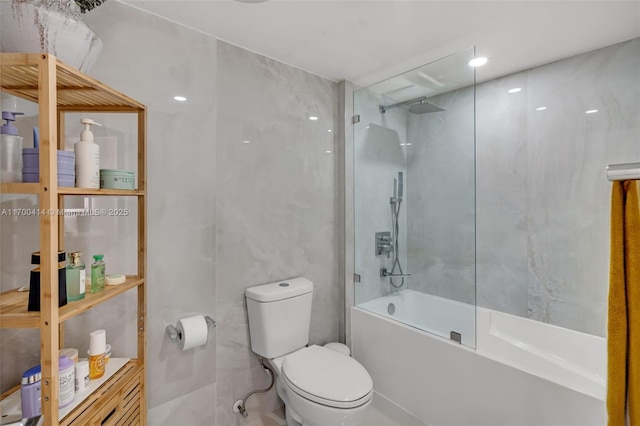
(30, 392)
(75, 277)
(10, 149)
(87, 157)
(82, 376)
(97, 274)
(97, 348)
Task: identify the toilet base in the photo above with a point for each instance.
(291, 421)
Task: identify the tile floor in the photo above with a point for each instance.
(381, 413)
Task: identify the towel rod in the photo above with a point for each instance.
(626, 171)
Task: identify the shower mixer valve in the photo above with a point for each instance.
(384, 244)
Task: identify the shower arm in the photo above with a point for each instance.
(385, 108)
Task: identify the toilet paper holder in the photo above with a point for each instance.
(173, 332)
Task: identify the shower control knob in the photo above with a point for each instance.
(383, 244)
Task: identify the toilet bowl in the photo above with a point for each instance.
(320, 386)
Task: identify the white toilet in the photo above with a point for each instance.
(318, 385)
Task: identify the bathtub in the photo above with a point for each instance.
(520, 373)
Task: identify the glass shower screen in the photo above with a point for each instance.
(414, 206)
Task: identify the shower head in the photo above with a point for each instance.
(416, 106)
(424, 107)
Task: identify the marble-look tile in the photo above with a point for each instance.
(441, 197)
(275, 203)
(274, 418)
(238, 383)
(192, 409)
(144, 57)
(181, 196)
(568, 193)
(501, 207)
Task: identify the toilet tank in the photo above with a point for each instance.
(279, 316)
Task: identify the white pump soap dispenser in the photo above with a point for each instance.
(87, 157)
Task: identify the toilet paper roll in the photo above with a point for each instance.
(192, 332)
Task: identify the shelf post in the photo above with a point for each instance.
(142, 257)
(49, 332)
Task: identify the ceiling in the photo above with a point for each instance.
(368, 41)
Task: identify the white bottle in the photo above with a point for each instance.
(87, 157)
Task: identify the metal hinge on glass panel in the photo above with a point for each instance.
(355, 119)
(356, 278)
(455, 336)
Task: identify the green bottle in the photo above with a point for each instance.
(75, 274)
(97, 274)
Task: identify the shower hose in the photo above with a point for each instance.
(395, 213)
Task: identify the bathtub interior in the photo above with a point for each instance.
(429, 313)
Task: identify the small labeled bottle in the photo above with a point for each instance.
(75, 277)
(97, 349)
(97, 274)
(82, 376)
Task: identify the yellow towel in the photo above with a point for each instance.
(623, 325)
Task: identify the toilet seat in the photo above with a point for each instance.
(327, 377)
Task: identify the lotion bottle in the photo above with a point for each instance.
(87, 157)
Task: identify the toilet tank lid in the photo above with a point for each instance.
(279, 290)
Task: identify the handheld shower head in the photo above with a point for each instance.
(398, 189)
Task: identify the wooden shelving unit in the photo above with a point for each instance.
(58, 89)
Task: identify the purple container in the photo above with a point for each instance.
(30, 392)
(31, 167)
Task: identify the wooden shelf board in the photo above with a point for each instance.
(19, 188)
(13, 305)
(95, 191)
(34, 188)
(75, 90)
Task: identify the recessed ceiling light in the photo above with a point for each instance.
(246, 141)
(180, 98)
(313, 118)
(329, 130)
(403, 144)
(478, 62)
(591, 111)
(409, 144)
(515, 90)
(328, 151)
(542, 108)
